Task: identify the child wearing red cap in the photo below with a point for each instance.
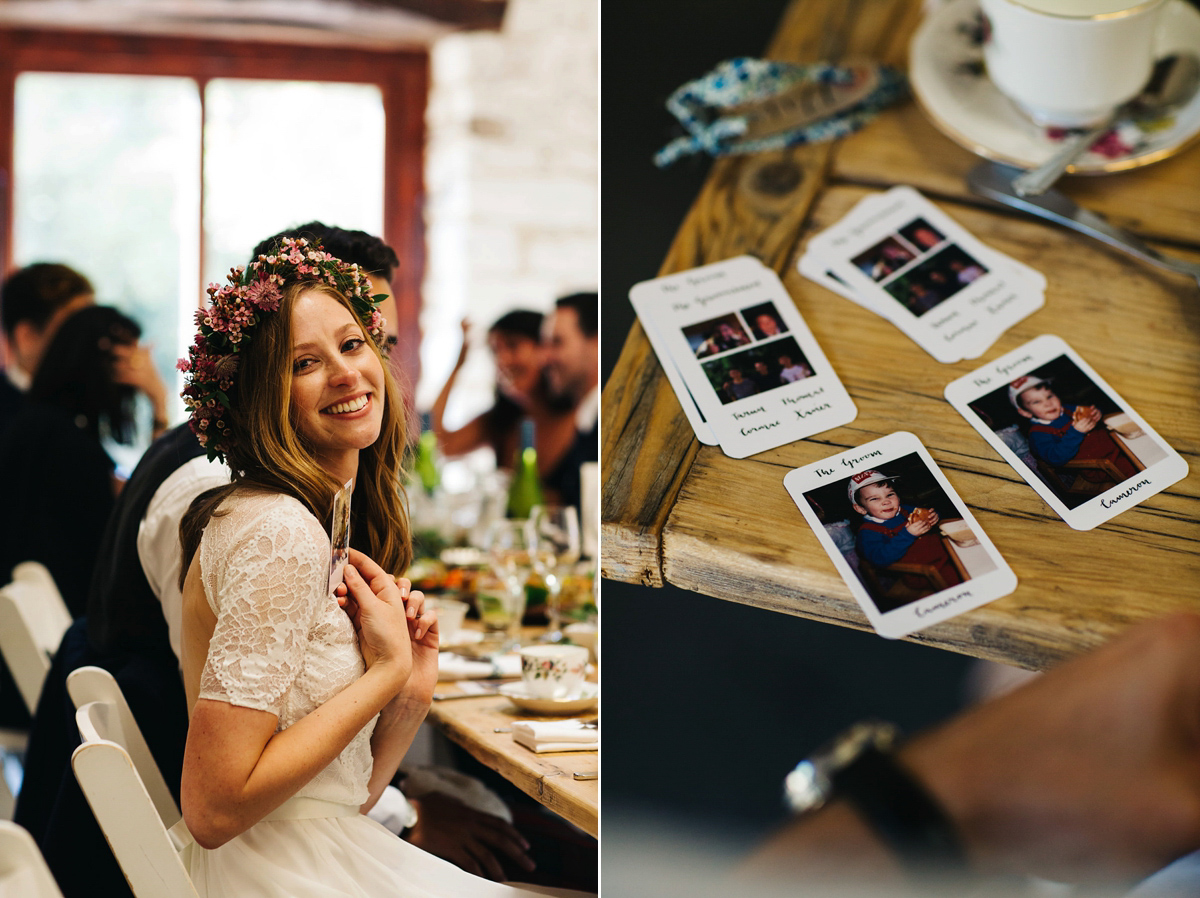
(892, 533)
(1060, 432)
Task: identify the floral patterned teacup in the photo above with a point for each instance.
(553, 671)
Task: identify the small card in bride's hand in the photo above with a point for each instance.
(339, 534)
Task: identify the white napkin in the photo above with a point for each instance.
(555, 735)
(457, 667)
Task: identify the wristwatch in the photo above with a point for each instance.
(860, 766)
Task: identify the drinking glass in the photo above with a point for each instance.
(501, 596)
(554, 538)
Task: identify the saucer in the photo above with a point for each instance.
(586, 701)
(946, 70)
(464, 637)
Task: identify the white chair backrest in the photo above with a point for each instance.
(33, 619)
(108, 717)
(131, 824)
(23, 870)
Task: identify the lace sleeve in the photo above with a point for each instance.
(265, 568)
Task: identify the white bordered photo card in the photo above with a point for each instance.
(900, 256)
(746, 357)
(903, 540)
(1085, 451)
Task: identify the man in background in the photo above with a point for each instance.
(34, 302)
(573, 369)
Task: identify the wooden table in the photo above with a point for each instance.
(547, 777)
(676, 512)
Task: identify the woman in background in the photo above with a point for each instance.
(521, 393)
(62, 483)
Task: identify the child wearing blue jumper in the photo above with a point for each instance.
(892, 532)
(1060, 432)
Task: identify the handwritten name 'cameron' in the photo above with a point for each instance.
(1123, 495)
(924, 610)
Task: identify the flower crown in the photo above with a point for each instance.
(227, 326)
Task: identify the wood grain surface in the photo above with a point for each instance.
(676, 512)
(547, 777)
(751, 204)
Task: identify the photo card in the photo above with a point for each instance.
(900, 536)
(746, 358)
(339, 534)
(901, 257)
(1066, 432)
(704, 433)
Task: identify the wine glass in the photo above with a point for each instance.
(502, 596)
(554, 539)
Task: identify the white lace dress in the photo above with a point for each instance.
(283, 645)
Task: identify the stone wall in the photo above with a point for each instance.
(512, 178)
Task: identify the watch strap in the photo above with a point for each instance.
(900, 810)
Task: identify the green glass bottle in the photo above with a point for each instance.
(525, 491)
(425, 465)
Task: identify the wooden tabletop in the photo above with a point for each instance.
(676, 512)
(546, 776)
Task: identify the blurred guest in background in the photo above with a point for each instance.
(523, 392)
(34, 302)
(65, 486)
(572, 368)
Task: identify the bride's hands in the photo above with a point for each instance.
(376, 608)
(423, 630)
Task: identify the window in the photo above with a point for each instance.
(154, 164)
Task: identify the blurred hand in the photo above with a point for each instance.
(1091, 771)
(423, 631)
(466, 837)
(465, 349)
(134, 367)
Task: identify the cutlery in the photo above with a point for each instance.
(587, 775)
(587, 725)
(995, 181)
(1172, 84)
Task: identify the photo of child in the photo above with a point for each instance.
(764, 320)
(716, 335)
(1068, 431)
(900, 532)
(339, 534)
(759, 369)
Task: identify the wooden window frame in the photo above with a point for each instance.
(401, 76)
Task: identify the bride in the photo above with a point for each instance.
(302, 699)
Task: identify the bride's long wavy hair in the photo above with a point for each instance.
(268, 453)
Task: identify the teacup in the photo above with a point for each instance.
(451, 613)
(553, 671)
(583, 634)
(1070, 63)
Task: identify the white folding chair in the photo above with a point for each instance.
(23, 870)
(33, 619)
(111, 720)
(132, 824)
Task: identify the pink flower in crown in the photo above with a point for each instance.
(264, 294)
